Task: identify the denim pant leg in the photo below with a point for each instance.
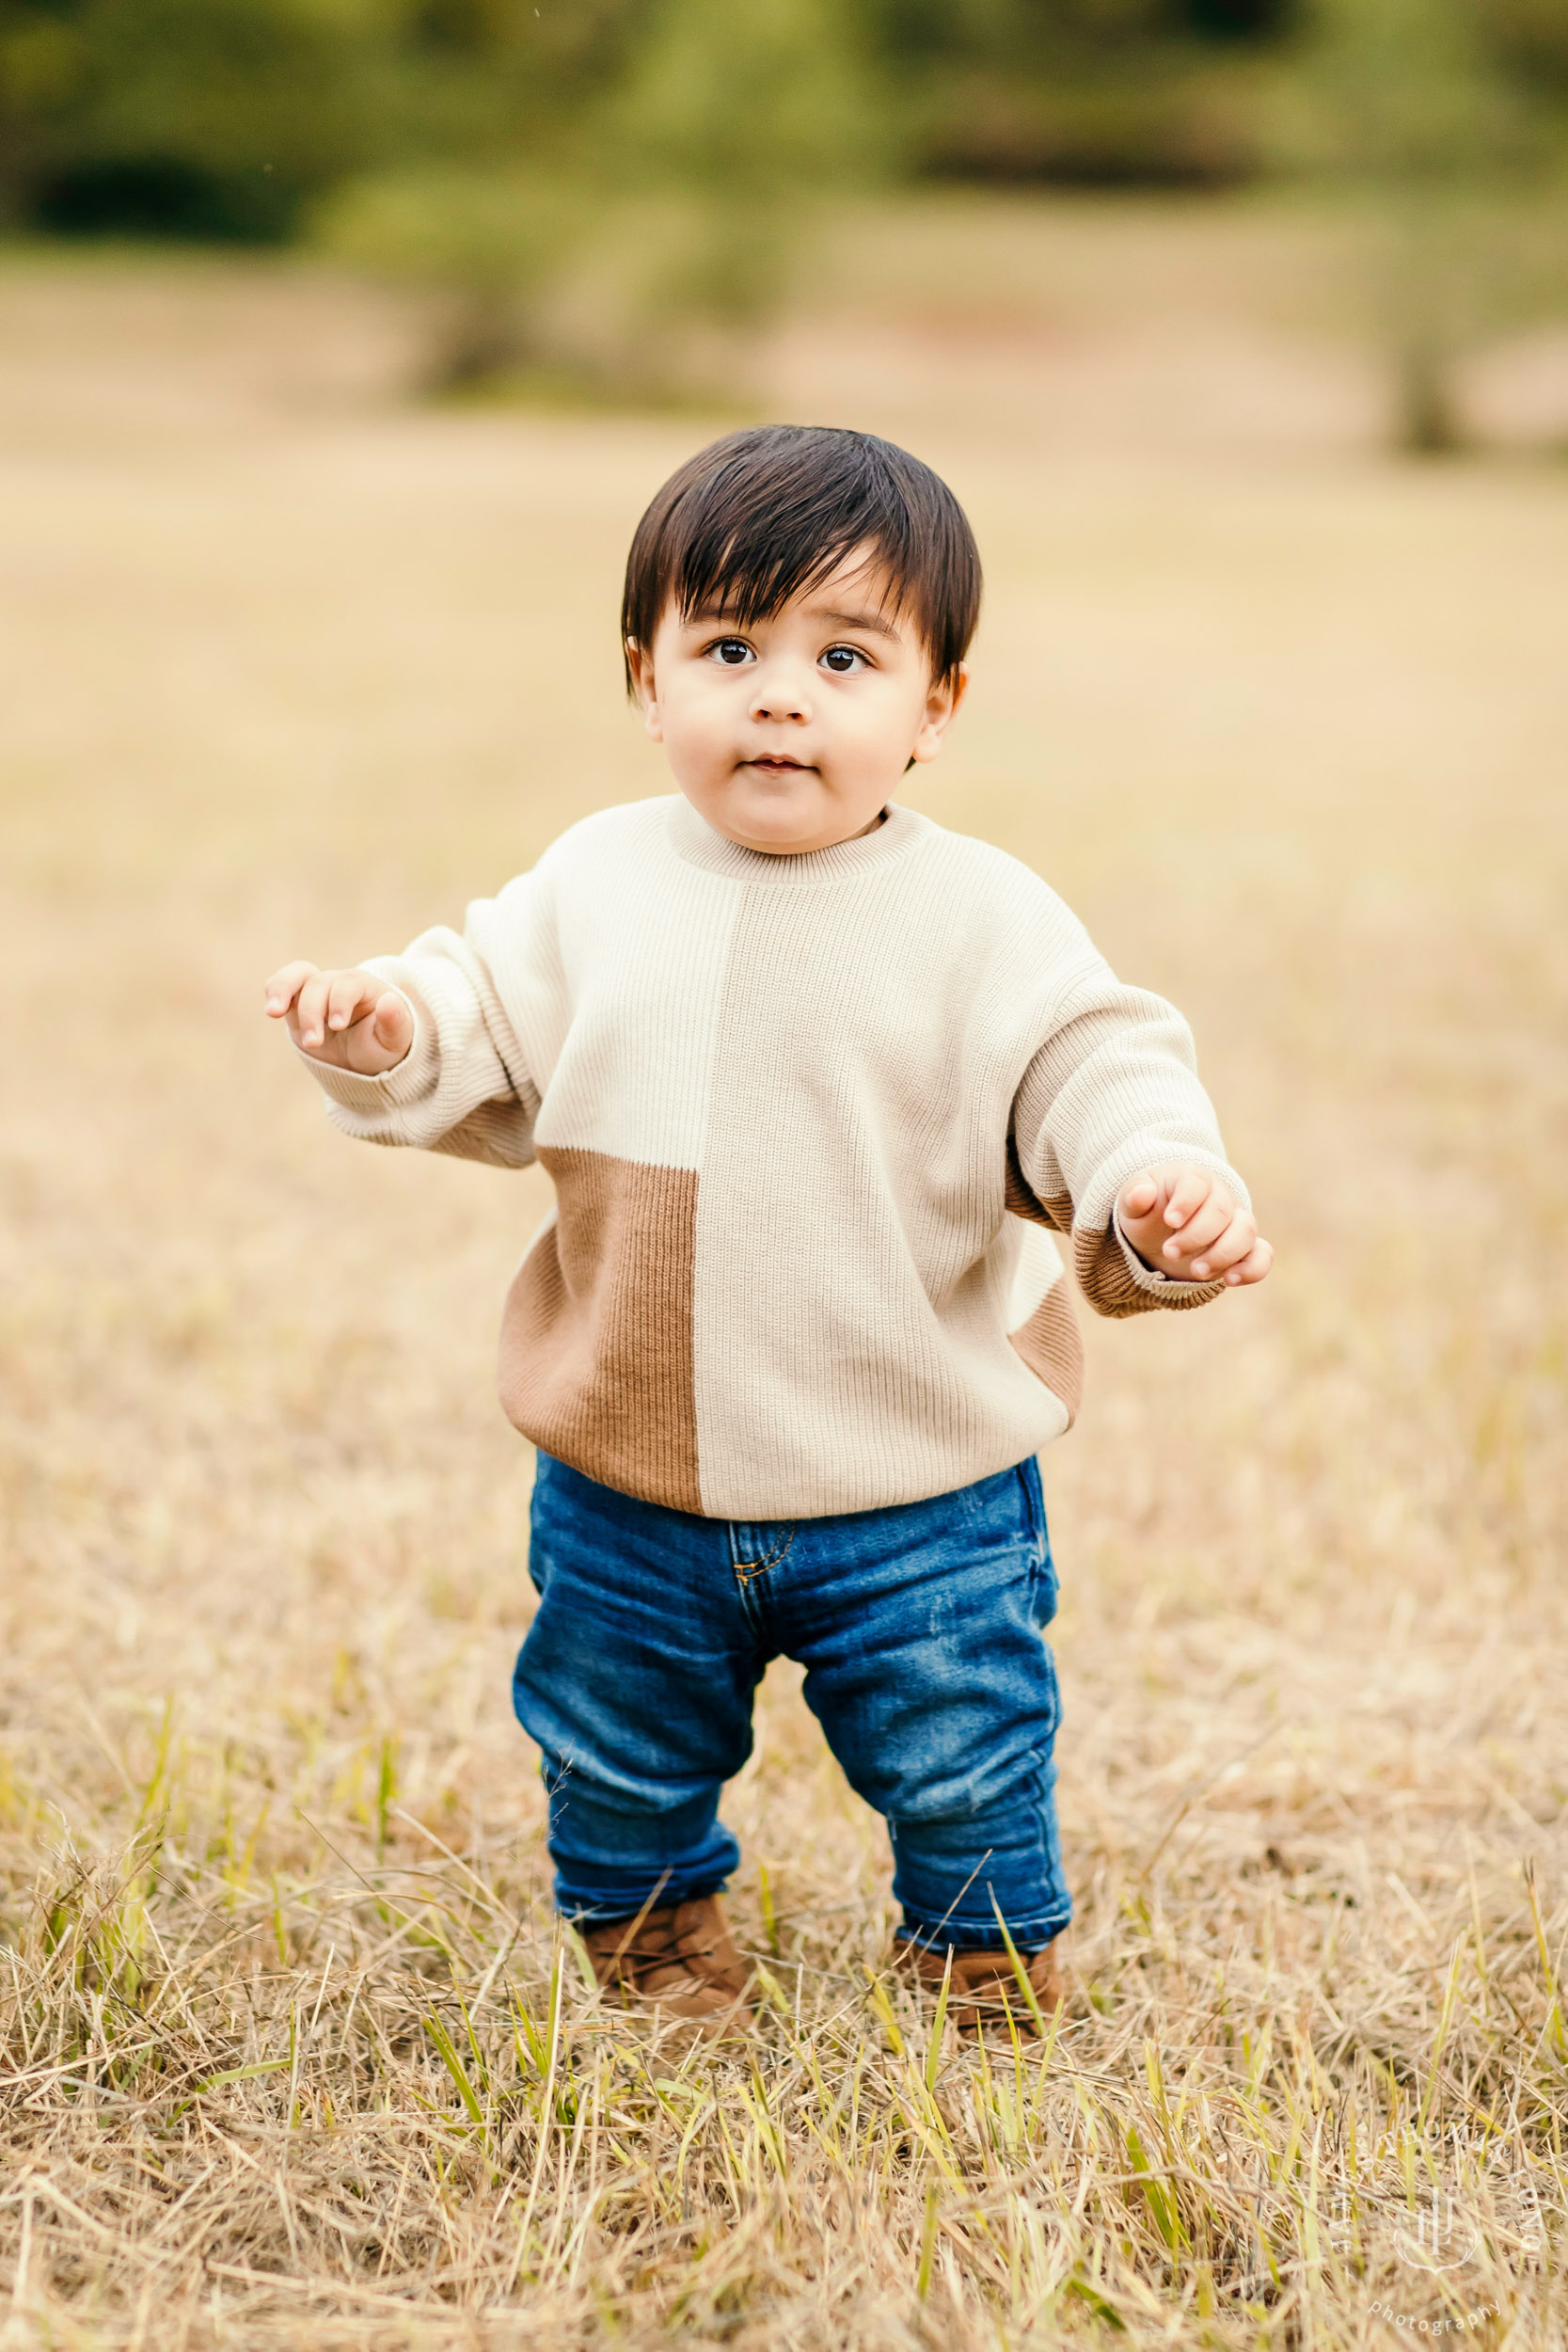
(927, 1668)
(637, 1679)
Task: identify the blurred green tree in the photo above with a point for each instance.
(229, 117)
(730, 129)
(1098, 92)
(485, 246)
(1445, 120)
(601, 183)
(206, 118)
(671, 209)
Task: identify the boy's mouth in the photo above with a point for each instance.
(778, 764)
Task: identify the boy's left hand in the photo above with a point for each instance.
(1186, 1222)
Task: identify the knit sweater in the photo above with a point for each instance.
(812, 1122)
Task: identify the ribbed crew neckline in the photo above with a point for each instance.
(696, 840)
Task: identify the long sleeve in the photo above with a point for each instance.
(1113, 1089)
(464, 1086)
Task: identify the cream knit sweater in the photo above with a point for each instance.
(810, 1121)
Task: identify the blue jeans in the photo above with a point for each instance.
(918, 1628)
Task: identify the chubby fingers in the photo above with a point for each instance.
(1186, 1191)
(1239, 1254)
(392, 1023)
(308, 1022)
(285, 985)
(1219, 1252)
(1253, 1267)
(351, 995)
(1140, 1196)
(1212, 1237)
(330, 1002)
(352, 1019)
(1202, 1226)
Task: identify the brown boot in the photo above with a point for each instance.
(680, 1961)
(984, 1992)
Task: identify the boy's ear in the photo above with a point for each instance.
(641, 665)
(942, 707)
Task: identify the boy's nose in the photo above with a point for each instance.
(777, 695)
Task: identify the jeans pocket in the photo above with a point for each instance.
(1042, 1569)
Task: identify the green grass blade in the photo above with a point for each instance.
(454, 2065)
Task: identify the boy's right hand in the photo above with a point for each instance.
(350, 1019)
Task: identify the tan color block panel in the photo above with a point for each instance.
(1052, 1347)
(1020, 1200)
(597, 1348)
(1042, 1327)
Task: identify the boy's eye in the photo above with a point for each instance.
(731, 651)
(843, 660)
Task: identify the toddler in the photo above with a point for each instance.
(816, 1082)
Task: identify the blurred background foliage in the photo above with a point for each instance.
(613, 186)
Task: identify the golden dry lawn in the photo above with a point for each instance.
(291, 2050)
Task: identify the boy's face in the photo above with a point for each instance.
(792, 734)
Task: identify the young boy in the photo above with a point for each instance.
(815, 1080)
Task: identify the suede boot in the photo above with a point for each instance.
(677, 1960)
(984, 1992)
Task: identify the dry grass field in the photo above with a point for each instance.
(290, 2051)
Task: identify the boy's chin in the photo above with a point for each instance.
(783, 820)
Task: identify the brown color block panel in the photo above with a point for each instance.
(596, 1339)
(1052, 1346)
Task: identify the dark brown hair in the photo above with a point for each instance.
(755, 519)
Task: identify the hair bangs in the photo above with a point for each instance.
(768, 514)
